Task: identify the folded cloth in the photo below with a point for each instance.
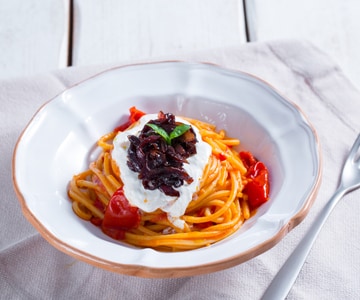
(32, 269)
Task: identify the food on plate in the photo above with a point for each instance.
(170, 183)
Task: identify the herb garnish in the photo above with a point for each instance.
(178, 131)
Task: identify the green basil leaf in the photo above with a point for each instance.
(179, 130)
(160, 132)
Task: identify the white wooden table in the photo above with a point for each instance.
(41, 35)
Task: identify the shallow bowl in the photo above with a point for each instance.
(60, 141)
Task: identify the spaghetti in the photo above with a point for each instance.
(231, 188)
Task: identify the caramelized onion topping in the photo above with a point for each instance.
(160, 164)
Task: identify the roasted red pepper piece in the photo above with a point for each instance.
(135, 115)
(258, 186)
(120, 216)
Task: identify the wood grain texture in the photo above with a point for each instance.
(120, 30)
(332, 25)
(33, 36)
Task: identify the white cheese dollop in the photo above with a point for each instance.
(151, 200)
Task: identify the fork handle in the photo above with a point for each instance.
(285, 278)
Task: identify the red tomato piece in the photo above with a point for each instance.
(222, 156)
(247, 159)
(258, 187)
(119, 216)
(135, 115)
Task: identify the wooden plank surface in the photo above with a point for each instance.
(121, 30)
(332, 25)
(33, 36)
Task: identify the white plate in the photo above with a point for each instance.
(60, 141)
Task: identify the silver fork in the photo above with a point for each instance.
(349, 181)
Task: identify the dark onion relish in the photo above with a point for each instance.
(160, 164)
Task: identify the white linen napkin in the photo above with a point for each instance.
(30, 268)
